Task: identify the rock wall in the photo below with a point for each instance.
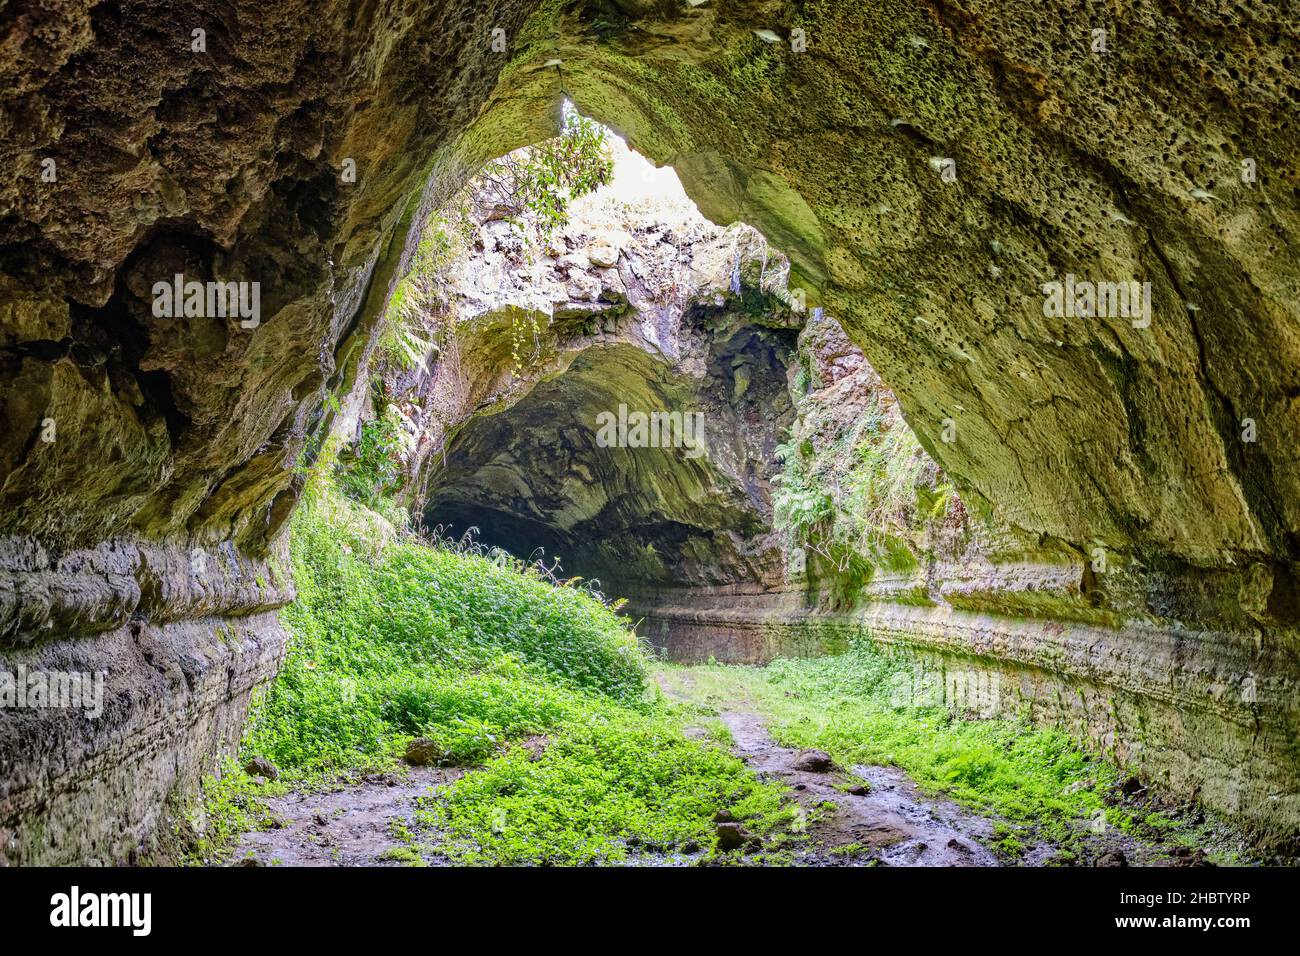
(636, 307)
(169, 644)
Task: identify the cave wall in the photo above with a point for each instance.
(146, 463)
(228, 162)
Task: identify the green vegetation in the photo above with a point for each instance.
(843, 705)
(394, 639)
(371, 472)
(532, 187)
(574, 756)
(863, 498)
(231, 805)
(405, 338)
(617, 778)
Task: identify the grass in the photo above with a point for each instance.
(843, 705)
(392, 638)
(605, 787)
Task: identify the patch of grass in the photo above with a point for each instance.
(718, 732)
(847, 849)
(393, 639)
(842, 705)
(231, 805)
(615, 781)
(402, 854)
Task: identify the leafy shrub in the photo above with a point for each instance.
(532, 186)
(392, 638)
(869, 494)
(372, 471)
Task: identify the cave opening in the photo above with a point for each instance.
(614, 392)
(580, 468)
(637, 397)
(644, 396)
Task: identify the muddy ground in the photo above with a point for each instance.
(357, 825)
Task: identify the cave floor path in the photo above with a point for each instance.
(846, 816)
(860, 816)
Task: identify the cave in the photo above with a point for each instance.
(1130, 539)
(539, 475)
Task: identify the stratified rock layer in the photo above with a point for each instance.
(177, 641)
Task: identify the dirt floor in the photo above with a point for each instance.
(885, 817)
(352, 826)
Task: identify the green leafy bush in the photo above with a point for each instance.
(372, 470)
(865, 498)
(532, 187)
(392, 639)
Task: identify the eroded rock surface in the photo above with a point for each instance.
(635, 308)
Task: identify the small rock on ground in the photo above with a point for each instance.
(422, 751)
(732, 836)
(814, 761)
(261, 767)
